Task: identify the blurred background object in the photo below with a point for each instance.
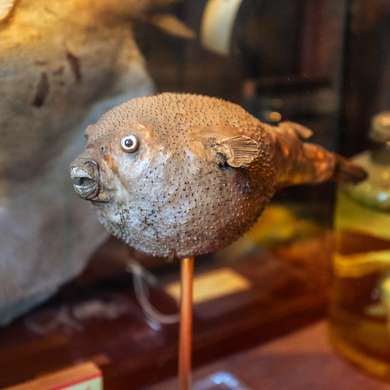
(58, 74)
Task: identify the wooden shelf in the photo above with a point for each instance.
(97, 318)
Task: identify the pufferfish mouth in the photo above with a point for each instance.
(85, 180)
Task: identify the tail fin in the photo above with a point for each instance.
(346, 171)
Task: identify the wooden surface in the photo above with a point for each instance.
(300, 361)
(84, 376)
(97, 318)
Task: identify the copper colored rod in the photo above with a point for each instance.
(185, 338)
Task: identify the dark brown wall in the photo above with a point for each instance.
(367, 70)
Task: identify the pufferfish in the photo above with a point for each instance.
(178, 175)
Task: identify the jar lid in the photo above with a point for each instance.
(380, 127)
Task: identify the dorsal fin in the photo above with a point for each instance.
(300, 131)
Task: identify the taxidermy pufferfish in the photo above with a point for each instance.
(178, 175)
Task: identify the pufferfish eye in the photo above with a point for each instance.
(130, 143)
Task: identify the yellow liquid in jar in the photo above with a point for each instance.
(360, 304)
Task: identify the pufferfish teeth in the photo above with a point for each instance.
(77, 173)
(84, 183)
(86, 191)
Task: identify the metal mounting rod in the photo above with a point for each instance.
(185, 338)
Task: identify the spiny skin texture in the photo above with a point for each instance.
(202, 174)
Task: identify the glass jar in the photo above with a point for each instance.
(360, 303)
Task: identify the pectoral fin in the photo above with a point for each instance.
(238, 151)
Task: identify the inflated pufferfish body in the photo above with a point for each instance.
(178, 175)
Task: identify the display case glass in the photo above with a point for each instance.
(70, 293)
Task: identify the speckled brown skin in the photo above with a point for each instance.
(203, 173)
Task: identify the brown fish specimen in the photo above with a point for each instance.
(178, 175)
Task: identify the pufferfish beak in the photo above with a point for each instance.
(85, 176)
